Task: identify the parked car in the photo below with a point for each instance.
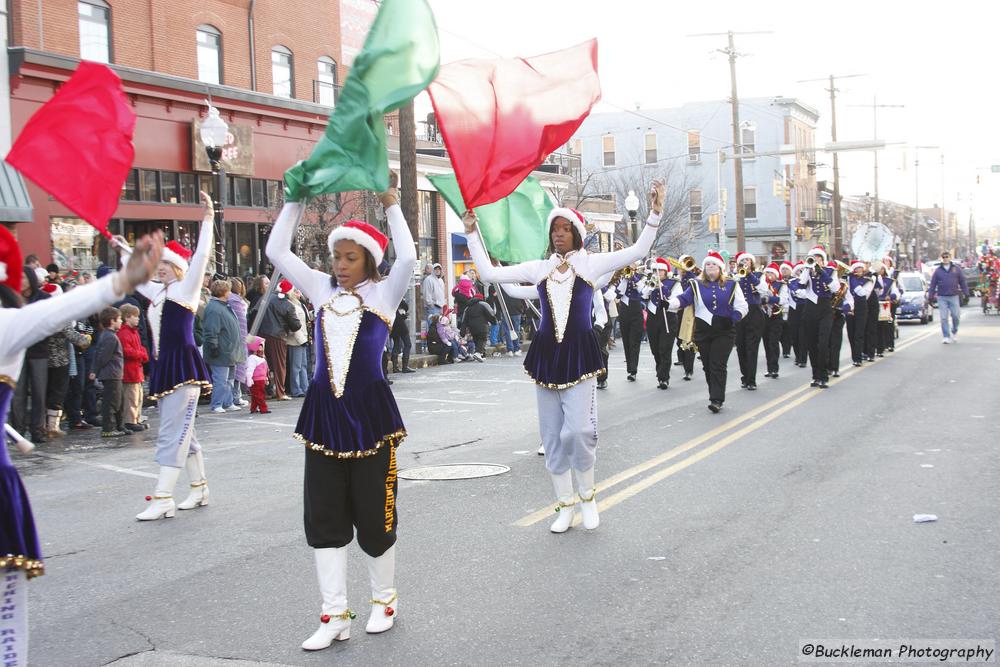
(913, 305)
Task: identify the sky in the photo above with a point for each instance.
(935, 59)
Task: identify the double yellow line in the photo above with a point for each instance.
(767, 412)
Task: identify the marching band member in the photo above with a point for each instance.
(842, 303)
(565, 358)
(775, 307)
(719, 304)
(20, 327)
(661, 325)
(787, 339)
(860, 287)
(888, 292)
(799, 345)
(686, 353)
(750, 329)
(179, 374)
(819, 283)
(350, 423)
(629, 294)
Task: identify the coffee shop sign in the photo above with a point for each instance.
(237, 153)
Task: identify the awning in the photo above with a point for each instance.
(15, 205)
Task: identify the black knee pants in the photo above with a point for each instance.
(773, 332)
(836, 341)
(856, 325)
(817, 321)
(749, 332)
(871, 328)
(661, 329)
(344, 495)
(715, 343)
(603, 336)
(630, 321)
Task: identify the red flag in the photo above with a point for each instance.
(78, 146)
(501, 118)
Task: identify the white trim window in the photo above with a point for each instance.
(694, 206)
(649, 144)
(282, 72)
(694, 146)
(326, 81)
(750, 203)
(209, 41)
(608, 144)
(95, 30)
(748, 138)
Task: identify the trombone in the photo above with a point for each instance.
(842, 269)
(685, 263)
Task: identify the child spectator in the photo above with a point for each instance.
(109, 366)
(135, 356)
(256, 377)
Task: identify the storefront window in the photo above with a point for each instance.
(246, 250)
(258, 193)
(428, 228)
(169, 188)
(189, 189)
(130, 192)
(241, 191)
(74, 244)
(147, 185)
(275, 193)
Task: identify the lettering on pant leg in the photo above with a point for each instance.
(390, 494)
(189, 415)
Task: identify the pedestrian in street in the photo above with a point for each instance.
(20, 327)
(34, 372)
(255, 375)
(400, 334)
(238, 303)
(478, 319)
(76, 391)
(224, 347)
(450, 338)
(432, 292)
(511, 331)
(350, 422)
(57, 383)
(109, 367)
(948, 286)
(276, 323)
(132, 375)
(564, 358)
(179, 373)
(719, 304)
(298, 347)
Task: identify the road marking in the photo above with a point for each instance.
(441, 400)
(633, 489)
(102, 466)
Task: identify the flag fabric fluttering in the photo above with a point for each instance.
(515, 228)
(78, 146)
(400, 57)
(501, 118)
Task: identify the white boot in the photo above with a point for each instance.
(385, 601)
(588, 499)
(199, 485)
(52, 424)
(335, 621)
(567, 503)
(163, 500)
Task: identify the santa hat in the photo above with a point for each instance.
(744, 255)
(788, 264)
(10, 260)
(818, 250)
(285, 286)
(254, 343)
(773, 268)
(662, 265)
(52, 289)
(857, 264)
(366, 236)
(798, 265)
(176, 254)
(573, 216)
(713, 258)
(888, 260)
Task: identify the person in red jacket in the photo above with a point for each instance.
(132, 377)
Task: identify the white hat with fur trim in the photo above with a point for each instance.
(713, 258)
(818, 250)
(745, 255)
(857, 264)
(573, 216)
(366, 236)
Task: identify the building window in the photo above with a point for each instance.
(609, 150)
(749, 203)
(258, 193)
(275, 194)
(241, 191)
(130, 191)
(281, 71)
(694, 205)
(189, 189)
(748, 139)
(650, 145)
(95, 30)
(209, 54)
(428, 228)
(694, 146)
(169, 190)
(148, 190)
(326, 83)
(576, 147)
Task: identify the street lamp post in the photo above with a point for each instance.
(214, 133)
(632, 206)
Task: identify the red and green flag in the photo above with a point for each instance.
(501, 118)
(401, 56)
(515, 228)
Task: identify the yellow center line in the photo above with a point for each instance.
(770, 407)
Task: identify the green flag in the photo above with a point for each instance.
(400, 58)
(515, 228)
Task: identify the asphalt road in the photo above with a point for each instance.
(727, 538)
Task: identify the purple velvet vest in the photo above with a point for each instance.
(821, 286)
(559, 365)
(19, 546)
(365, 416)
(178, 361)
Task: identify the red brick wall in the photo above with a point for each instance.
(159, 35)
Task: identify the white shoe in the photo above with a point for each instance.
(199, 485)
(478, 357)
(233, 408)
(243, 403)
(541, 450)
(567, 503)
(954, 338)
(517, 353)
(947, 341)
(219, 410)
(385, 601)
(510, 354)
(588, 499)
(335, 621)
(162, 505)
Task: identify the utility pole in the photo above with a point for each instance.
(734, 100)
(875, 106)
(839, 233)
(408, 191)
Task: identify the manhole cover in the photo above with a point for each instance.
(454, 471)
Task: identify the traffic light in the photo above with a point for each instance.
(713, 222)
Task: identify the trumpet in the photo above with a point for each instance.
(743, 272)
(842, 269)
(685, 263)
(653, 280)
